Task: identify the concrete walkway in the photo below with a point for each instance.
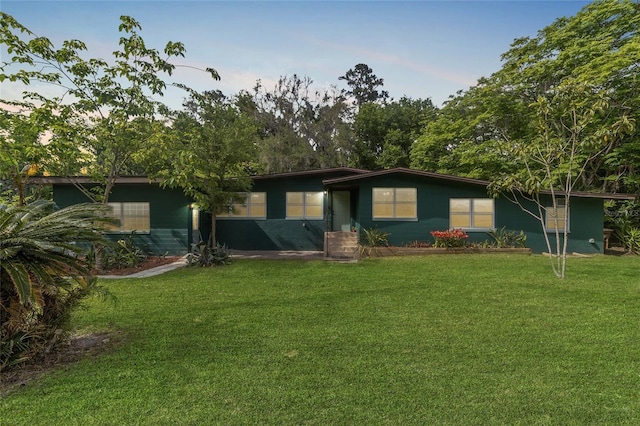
(235, 254)
(276, 254)
(151, 272)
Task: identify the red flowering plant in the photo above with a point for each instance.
(450, 238)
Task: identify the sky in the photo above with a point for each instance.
(421, 48)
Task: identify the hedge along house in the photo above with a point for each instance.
(301, 210)
(409, 204)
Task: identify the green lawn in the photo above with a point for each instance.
(465, 339)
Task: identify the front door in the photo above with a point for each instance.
(341, 211)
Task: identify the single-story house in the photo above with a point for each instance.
(296, 210)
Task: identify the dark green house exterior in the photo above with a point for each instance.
(278, 230)
(169, 214)
(434, 197)
(293, 211)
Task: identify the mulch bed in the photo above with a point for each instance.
(148, 263)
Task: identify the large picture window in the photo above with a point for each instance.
(470, 213)
(305, 205)
(252, 205)
(555, 217)
(395, 203)
(130, 217)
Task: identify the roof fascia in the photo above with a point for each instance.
(86, 180)
(440, 176)
(405, 171)
(310, 173)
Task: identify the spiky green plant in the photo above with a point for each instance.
(371, 240)
(43, 272)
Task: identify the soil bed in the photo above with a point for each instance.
(70, 351)
(147, 263)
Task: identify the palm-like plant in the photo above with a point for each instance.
(43, 270)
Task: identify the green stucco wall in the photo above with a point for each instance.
(169, 213)
(586, 220)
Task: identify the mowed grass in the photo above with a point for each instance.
(465, 339)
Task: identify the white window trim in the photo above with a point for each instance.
(394, 204)
(121, 218)
(249, 204)
(304, 206)
(473, 228)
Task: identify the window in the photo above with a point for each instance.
(395, 203)
(253, 205)
(471, 213)
(131, 217)
(550, 218)
(304, 205)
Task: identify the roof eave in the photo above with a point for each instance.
(311, 173)
(86, 180)
(403, 170)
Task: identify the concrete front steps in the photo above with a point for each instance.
(341, 245)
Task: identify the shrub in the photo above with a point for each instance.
(450, 238)
(372, 239)
(506, 239)
(43, 274)
(204, 254)
(124, 254)
(622, 216)
(418, 244)
(629, 236)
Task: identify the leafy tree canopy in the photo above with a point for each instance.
(364, 85)
(598, 48)
(100, 114)
(300, 128)
(385, 133)
(208, 151)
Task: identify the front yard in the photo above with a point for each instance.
(469, 339)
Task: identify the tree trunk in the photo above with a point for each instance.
(98, 250)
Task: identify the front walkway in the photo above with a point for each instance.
(235, 254)
(276, 254)
(151, 272)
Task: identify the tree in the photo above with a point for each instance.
(208, 151)
(43, 273)
(576, 77)
(465, 137)
(364, 85)
(103, 111)
(558, 116)
(21, 151)
(600, 46)
(300, 128)
(569, 137)
(385, 133)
